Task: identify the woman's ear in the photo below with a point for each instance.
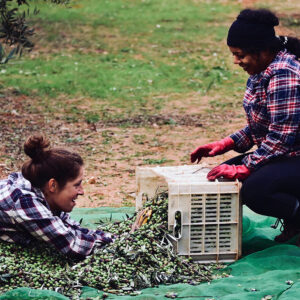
(52, 185)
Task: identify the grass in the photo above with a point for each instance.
(124, 55)
(152, 161)
(102, 60)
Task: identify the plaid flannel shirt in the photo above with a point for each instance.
(25, 216)
(272, 106)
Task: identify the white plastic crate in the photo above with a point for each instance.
(204, 216)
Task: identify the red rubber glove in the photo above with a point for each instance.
(229, 172)
(212, 149)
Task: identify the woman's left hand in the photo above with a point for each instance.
(229, 172)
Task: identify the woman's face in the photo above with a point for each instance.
(251, 63)
(64, 199)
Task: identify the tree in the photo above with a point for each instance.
(14, 30)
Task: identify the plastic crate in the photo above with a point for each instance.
(205, 217)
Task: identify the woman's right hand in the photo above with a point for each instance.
(212, 149)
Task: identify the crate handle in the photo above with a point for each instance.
(177, 229)
(221, 179)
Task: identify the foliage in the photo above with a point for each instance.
(14, 30)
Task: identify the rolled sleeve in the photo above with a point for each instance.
(242, 140)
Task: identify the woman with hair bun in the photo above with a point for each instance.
(34, 203)
(271, 172)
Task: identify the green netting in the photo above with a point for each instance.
(266, 268)
(91, 216)
(27, 293)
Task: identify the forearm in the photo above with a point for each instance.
(79, 245)
(100, 235)
(70, 240)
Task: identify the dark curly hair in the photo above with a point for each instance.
(259, 16)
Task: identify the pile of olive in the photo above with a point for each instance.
(135, 260)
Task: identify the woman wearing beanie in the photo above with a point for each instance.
(271, 173)
(34, 203)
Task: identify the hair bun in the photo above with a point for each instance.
(259, 16)
(35, 146)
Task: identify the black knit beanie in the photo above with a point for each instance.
(250, 33)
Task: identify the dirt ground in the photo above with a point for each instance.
(112, 151)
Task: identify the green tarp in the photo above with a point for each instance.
(267, 270)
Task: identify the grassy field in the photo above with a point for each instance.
(126, 83)
(125, 55)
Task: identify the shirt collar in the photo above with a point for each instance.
(40, 195)
(19, 180)
(257, 77)
(26, 184)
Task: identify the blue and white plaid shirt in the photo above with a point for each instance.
(272, 106)
(25, 216)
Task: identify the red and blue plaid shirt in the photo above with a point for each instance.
(25, 217)
(272, 106)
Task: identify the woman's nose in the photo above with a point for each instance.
(80, 190)
(236, 60)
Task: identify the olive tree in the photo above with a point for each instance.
(14, 31)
